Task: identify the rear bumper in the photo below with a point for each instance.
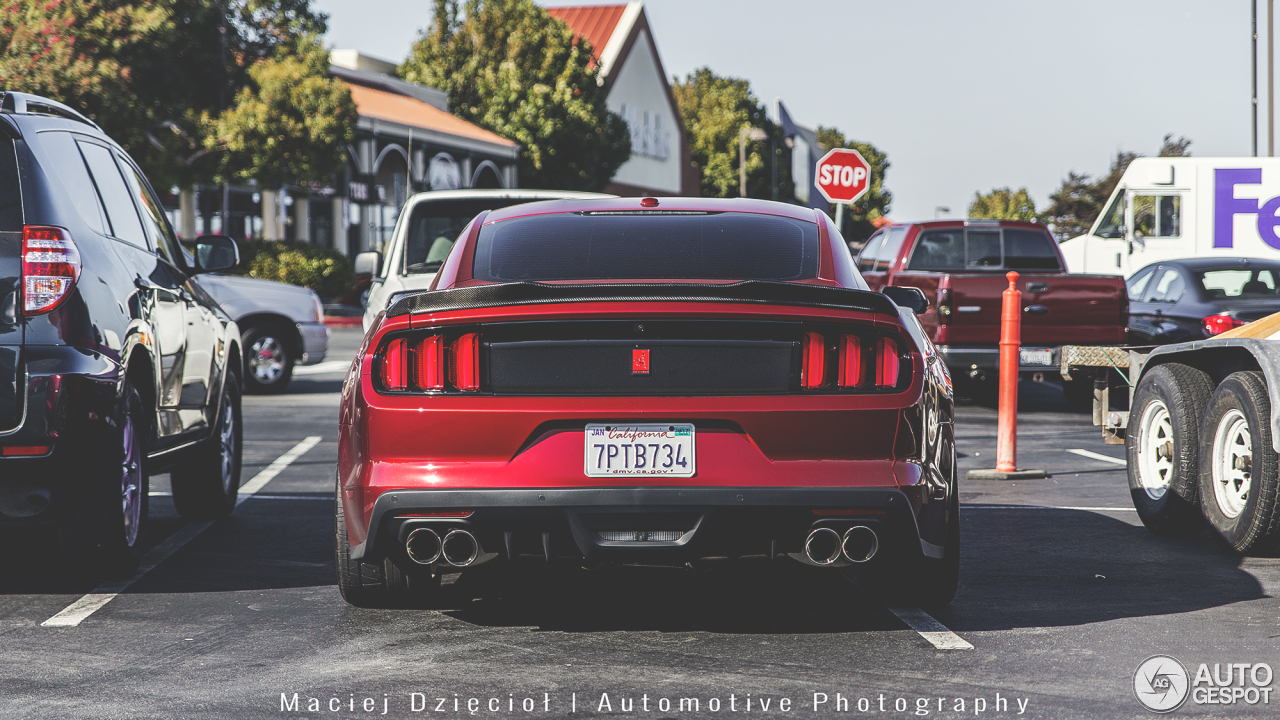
(315, 342)
(711, 522)
(963, 360)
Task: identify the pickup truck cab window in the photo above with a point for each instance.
(1007, 249)
(867, 258)
(888, 252)
(938, 250)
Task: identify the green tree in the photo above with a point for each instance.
(1080, 199)
(715, 109)
(1003, 204)
(290, 123)
(508, 66)
(860, 216)
(149, 72)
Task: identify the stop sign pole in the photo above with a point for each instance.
(843, 176)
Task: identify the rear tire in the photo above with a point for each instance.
(102, 525)
(1163, 447)
(1239, 488)
(268, 360)
(207, 484)
(381, 585)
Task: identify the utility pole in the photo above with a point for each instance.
(1255, 78)
(1271, 78)
(222, 105)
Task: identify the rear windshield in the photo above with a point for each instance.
(635, 246)
(978, 249)
(435, 225)
(1239, 282)
(10, 196)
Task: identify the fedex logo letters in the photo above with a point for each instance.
(1226, 206)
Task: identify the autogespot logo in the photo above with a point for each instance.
(1161, 683)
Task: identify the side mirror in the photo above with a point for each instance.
(908, 297)
(368, 263)
(216, 252)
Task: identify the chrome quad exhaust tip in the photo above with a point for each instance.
(822, 547)
(459, 548)
(860, 543)
(423, 546)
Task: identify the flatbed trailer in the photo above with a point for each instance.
(1202, 433)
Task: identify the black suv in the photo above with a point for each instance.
(114, 364)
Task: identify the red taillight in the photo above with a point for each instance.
(464, 365)
(50, 268)
(850, 359)
(1218, 324)
(395, 365)
(24, 450)
(428, 363)
(813, 361)
(886, 363)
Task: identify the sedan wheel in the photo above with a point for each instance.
(268, 360)
(131, 484)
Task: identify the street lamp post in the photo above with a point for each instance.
(746, 133)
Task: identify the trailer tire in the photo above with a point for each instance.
(1239, 487)
(1163, 447)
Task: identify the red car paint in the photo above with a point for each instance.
(396, 445)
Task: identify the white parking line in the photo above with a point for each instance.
(324, 368)
(930, 629)
(1098, 456)
(1045, 507)
(75, 613)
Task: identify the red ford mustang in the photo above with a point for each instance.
(656, 381)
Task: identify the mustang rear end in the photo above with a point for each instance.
(601, 381)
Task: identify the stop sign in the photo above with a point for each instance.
(843, 175)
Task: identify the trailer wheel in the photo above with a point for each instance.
(1239, 488)
(1162, 446)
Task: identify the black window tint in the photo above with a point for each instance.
(1029, 250)
(62, 150)
(867, 258)
(719, 246)
(153, 221)
(10, 193)
(984, 249)
(115, 195)
(938, 250)
(889, 251)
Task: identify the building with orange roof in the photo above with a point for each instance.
(638, 90)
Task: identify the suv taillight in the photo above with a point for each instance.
(426, 363)
(50, 268)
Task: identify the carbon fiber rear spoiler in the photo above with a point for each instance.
(761, 292)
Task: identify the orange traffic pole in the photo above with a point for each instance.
(1010, 342)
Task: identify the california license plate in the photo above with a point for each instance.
(1036, 356)
(664, 450)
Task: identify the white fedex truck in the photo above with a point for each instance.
(1171, 208)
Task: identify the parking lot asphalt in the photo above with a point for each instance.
(1063, 594)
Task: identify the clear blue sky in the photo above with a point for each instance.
(963, 96)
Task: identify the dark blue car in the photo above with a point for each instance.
(1192, 299)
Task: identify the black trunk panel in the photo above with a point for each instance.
(591, 367)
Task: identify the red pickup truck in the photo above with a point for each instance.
(961, 264)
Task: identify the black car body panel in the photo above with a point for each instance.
(134, 312)
(1168, 302)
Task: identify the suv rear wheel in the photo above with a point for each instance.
(206, 485)
(103, 520)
